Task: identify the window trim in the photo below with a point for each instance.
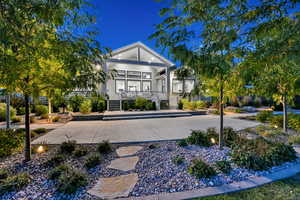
(119, 77)
(147, 73)
(127, 75)
(149, 81)
(127, 85)
(117, 92)
(173, 86)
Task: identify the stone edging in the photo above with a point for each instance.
(251, 182)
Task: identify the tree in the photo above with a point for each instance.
(275, 62)
(203, 35)
(36, 33)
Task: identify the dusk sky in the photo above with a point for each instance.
(122, 22)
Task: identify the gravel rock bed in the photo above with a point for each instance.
(157, 173)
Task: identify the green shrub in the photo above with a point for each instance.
(200, 169)
(98, 104)
(45, 116)
(294, 140)
(14, 183)
(223, 166)
(233, 109)
(68, 146)
(85, 107)
(212, 135)
(140, 103)
(277, 121)
(56, 172)
(20, 110)
(294, 122)
(201, 104)
(16, 119)
(10, 141)
(180, 105)
(149, 106)
(55, 160)
(70, 181)
(92, 161)
(182, 143)
(56, 118)
(41, 110)
(231, 137)
(178, 160)
(199, 138)
(3, 112)
(75, 102)
(32, 119)
(4, 173)
(82, 151)
(260, 154)
(40, 130)
(264, 116)
(104, 147)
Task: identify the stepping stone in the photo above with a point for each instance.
(124, 164)
(128, 151)
(114, 187)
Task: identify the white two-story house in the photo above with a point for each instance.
(140, 71)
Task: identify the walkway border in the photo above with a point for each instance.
(251, 182)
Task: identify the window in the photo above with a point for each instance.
(188, 85)
(134, 86)
(121, 73)
(147, 75)
(177, 86)
(146, 86)
(120, 86)
(134, 74)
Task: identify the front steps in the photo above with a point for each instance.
(148, 115)
(114, 105)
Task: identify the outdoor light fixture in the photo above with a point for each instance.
(213, 140)
(40, 149)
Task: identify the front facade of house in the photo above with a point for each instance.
(141, 72)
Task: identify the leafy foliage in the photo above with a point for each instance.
(14, 183)
(86, 106)
(70, 181)
(140, 103)
(104, 147)
(264, 115)
(3, 112)
(223, 166)
(10, 141)
(178, 160)
(200, 169)
(68, 146)
(56, 172)
(92, 161)
(41, 110)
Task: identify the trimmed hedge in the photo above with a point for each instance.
(200, 169)
(3, 112)
(41, 110)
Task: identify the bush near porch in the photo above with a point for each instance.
(139, 103)
(10, 141)
(185, 104)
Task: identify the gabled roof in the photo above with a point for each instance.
(145, 48)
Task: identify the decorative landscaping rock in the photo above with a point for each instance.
(114, 187)
(124, 164)
(128, 151)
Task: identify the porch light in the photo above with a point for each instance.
(40, 149)
(213, 140)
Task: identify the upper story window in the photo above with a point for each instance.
(147, 75)
(121, 73)
(134, 74)
(188, 85)
(120, 86)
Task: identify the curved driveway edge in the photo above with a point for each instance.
(251, 182)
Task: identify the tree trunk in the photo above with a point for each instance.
(7, 111)
(49, 106)
(27, 130)
(285, 116)
(221, 118)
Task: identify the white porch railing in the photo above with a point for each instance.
(148, 95)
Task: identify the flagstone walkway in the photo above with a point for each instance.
(119, 186)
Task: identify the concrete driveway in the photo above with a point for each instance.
(137, 130)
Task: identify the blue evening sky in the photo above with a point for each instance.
(122, 22)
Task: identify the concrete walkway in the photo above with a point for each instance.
(137, 130)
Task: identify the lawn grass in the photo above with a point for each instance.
(288, 189)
